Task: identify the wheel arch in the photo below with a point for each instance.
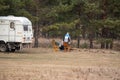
(2, 42)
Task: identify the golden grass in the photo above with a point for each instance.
(45, 64)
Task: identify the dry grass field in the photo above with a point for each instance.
(45, 64)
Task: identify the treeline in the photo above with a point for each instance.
(91, 19)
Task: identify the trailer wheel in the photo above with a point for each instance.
(3, 47)
(12, 50)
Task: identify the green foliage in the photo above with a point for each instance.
(59, 29)
(17, 8)
(92, 8)
(2, 5)
(56, 17)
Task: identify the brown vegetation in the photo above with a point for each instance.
(45, 64)
(46, 43)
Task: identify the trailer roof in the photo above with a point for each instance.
(23, 20)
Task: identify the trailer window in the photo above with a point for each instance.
(25, 27)
(12, 25)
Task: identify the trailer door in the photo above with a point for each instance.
(28, 33)
(12, 33)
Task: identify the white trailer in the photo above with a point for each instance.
(14, 32)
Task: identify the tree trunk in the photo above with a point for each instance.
(91, 43)
(36, 31)
(78, 46)
(36, 37)
(111, 45)
(36, 42)
(91, 36)
(107, 45)
(104, 16)
(83, 32)
(102, 45)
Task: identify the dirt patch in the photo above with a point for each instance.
(53, 72)
(45, 64)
